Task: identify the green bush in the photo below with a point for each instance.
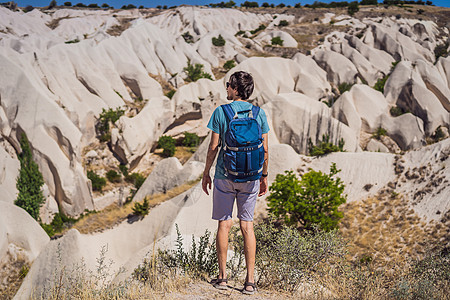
(397, 111)
(379, 133)
(170, 94)
(106, 118)
(219, 41)
(135, 178)
(188, 38)
(260, 27)
(277, 41)
(167, 143)
(353, 8)
(98, 182)
(240, 32)
(113, 176)
(93, 5)
(283, 23)
(249, 4)
(195, 72)
(141, 209)
(105, 5)
(313, 200)
(324, 146)
(344, 87)
(124, 170)
(438, 134)
(379, 85)
(29, 182)
(191, 139)
(229, 64)
(67, 3)
(199, 261)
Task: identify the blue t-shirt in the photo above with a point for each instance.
(218, 123)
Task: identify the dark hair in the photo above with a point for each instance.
(243, 83)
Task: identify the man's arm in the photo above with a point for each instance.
(263, 180)
(212, 152)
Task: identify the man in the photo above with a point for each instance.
(239, 89)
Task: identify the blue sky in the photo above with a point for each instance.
(154, 3)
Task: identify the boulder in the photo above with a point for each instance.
(297, 118)
(360, 108)
(266, 38)
(406, 130)
(376, 146)
(339, 68)
(19, 232)
(133, 142)
(9, 171)
(168, 174)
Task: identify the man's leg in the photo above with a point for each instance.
(222, 247)
(249, 250)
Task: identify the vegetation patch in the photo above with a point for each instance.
(313, 200)
(98, 182)
(167, 143)
(260, 28)
(218, 41)
(344, 87)
(195, 72)
(229, 64)
(29, 182)
(379, 133)
(188, 38)
(324, 146)
(379, 85)
(105, 120)
(277, 41)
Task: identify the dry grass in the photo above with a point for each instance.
(183, 153)
(115, 214)
(165, 85)
(387, 230)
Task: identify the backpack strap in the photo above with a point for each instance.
(229, 113)
(255, 111)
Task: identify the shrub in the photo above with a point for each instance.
(344, 87)
(105, 5)
(113, 176)
(198, 262)
(438, 134)
(98, 182)
(441, 50)
(240, 32)
(80, 5)
(229, 64)
(324, 146)
(298, 5)
(260, 27)
(283, 23)
(124, 170)
(265, 4)
(105, 118)
(285, 256)
(167, 143)
(312, 200)
(281, 5)
(195, 72)
(141, 209)
(135, 178)
(170, 94)
(93, 5)
(188, 38)
(277, 41)
(219, 41)
(29, 182)
(249, 4)
(52, 4)
(191, 139)
(67, 3)
(379, 133)
(353, 8)
(72, 41)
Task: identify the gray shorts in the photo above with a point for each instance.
(224, 193)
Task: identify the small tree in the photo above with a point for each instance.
(277, 41)
(141, 209)
(52, 4)
(105, 5)
(97, 182)
(67, 3)
(229, 64)
(30, 181)
(353, 8)
(312, 200)
(218, 41)
(195, 72)
(191, 139)
(167, 143)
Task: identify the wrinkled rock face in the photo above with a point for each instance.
(73, 79)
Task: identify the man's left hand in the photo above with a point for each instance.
(262, 186)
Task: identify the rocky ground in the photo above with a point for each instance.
(70, 64)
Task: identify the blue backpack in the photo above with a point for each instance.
(243, 155)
